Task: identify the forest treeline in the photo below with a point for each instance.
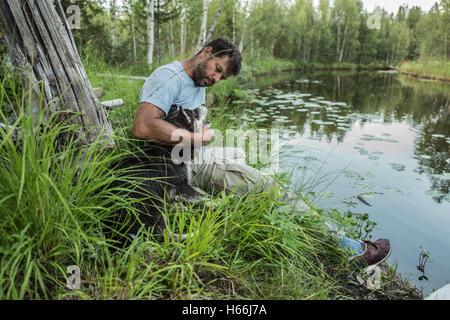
(138, 31)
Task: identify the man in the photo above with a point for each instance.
(183, 83)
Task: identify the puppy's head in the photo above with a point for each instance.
(191, 120)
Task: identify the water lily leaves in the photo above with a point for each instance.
(391, 189)
(310, 158)
(442, 176)
(447, 198)
(353, 175)
(363, 185)
(324, 195)
(397, 166)
(434, 193)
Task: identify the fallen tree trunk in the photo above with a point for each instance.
(44, 55)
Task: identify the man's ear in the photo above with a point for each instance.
(207, 51)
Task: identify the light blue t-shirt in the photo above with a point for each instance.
(169, 85)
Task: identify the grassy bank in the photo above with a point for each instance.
(427, 69)
(54, 203)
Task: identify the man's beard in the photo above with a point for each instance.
(200, 75)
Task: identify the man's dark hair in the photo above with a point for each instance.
(221, 47)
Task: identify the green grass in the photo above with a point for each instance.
(433, 68)
(54, 203)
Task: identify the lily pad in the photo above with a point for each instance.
(442, 176)
(353, 175)
(434, 193)
(447, 198)
(310, 158)
(397, 166)
(391, 189)
(324, 195)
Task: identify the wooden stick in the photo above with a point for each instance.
(121, 76)
(112, 103)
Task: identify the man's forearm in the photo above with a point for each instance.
(162, 132)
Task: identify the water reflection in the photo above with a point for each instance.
(376, 135)
(330, 104)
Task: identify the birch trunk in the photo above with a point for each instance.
(202, 36)
(158, 33)
(233, 22)
(211, 29)
(244, 28)
(44, 54)
(150, 31)
(182, 29)
(113, 25)
(344, 40)
(171, 41)
(338, 40)
(133, 31)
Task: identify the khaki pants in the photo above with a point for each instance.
(225, 169)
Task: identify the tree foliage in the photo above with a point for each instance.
(302, 30)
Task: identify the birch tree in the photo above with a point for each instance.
(113, 9)
(202, 37)
(150, 31)
(244, 25)
(133, 30)
(211, 29)
(182, 28)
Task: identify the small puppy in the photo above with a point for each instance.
(154, 178)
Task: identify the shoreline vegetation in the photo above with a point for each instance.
(438, 70)
(428, 69)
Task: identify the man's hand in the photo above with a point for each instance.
(206, 135)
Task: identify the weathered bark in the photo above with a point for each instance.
(44, 55)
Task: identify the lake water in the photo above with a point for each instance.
(376, 135)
